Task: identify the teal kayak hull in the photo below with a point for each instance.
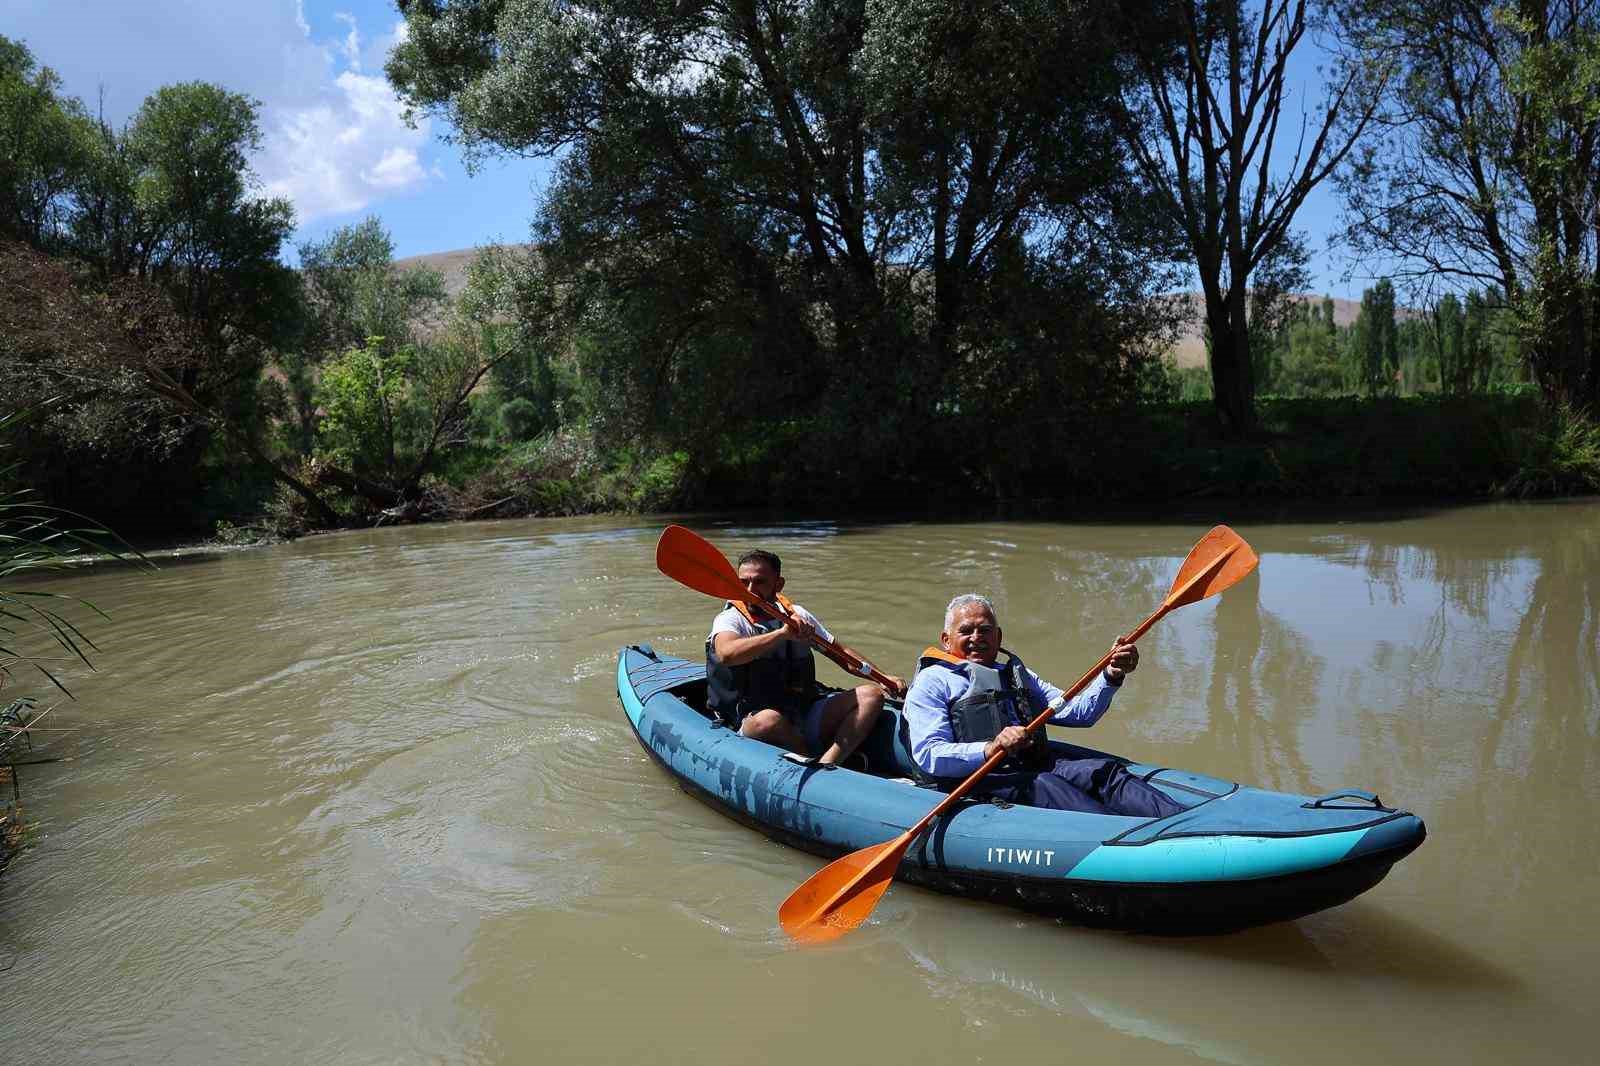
(1237, 856)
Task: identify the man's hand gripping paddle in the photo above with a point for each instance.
(691, 560)
(841, 895)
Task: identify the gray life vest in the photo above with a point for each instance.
(997, 697)
(785, 680)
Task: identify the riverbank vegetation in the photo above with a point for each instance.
(39, 632)
(817, 256)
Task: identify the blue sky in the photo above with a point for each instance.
(334, 143)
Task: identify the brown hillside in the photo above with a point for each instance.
(1190, 349)
(453, 265)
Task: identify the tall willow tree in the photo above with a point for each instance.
(822, 195)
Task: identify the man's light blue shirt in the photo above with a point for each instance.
(936, 687)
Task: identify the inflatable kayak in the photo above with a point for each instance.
(1236, 856)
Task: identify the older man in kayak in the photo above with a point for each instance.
(965, 705)
(762, 678)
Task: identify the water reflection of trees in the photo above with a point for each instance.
(1537, 761)
(1256, 698)
(1466, 575)
(1484, 715)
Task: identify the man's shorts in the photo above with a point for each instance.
(811, 727)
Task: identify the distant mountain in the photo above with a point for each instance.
(1190, 350)
(453, 265)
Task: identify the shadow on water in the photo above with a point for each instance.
(1148, 988)
(1364, 941)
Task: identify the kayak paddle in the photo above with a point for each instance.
(841, 895)
(691, 560)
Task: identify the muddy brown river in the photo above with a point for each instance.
(369, 798)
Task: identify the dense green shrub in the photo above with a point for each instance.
(517, 420)
(1558, 456)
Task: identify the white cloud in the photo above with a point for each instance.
(398, 168)
(340, 148)
(344, 152)
(332, 137)
(351, 46)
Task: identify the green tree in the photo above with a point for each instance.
(1416, 360)
(1378, 339)
(125, 345)
(365, 394)
(109, 228)
(1274, 306)
(1204, 124)
(818, 195)
(390, 414)
(1491, 341)
(533, 388)
(1311, 363)
(356, 292)
(214, 246)
(167, 204)
(45, 141)
(1447, 324)
(1487, 171)
(353, 294)
(170, 200)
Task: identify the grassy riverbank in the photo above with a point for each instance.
(14, 744)
(1419, 448)
(1424, 447)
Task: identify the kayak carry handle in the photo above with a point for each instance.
(1348, 793)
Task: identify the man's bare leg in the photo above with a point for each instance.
(847, 718)
(773, 728)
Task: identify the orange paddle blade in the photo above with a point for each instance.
(1218, 561)
(841, 895)
(690, 559)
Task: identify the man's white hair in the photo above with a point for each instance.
(967, 599)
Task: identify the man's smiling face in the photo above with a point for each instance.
(972, 635)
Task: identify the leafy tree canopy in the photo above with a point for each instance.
(816, 196)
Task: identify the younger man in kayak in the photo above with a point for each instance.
(965, 705)
(763, 679)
